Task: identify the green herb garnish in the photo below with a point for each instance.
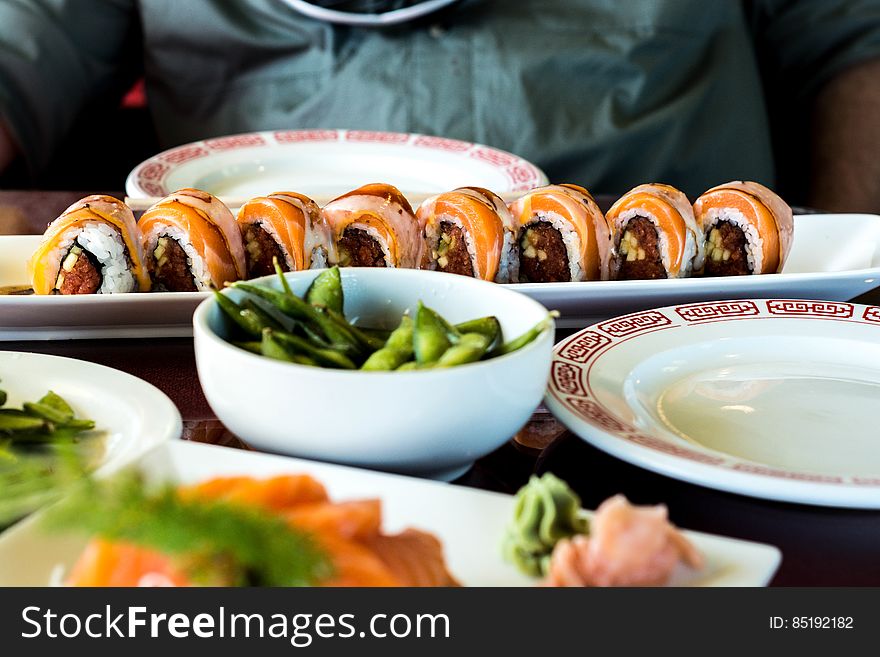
(213, 542)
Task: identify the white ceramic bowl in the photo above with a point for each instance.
(430, 423)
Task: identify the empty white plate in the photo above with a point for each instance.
(771, 398)
(326, 163)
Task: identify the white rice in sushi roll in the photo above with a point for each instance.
(106, 247)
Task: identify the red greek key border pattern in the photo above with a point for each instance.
(567, 378)
(670, 448)
(184, 154)
(235, 141)
(582, 348)
(866, 481)
(153, 188)
(296, 136)
(153, 171)
(494, 157)
(635, 323)
(800, 308)
(596, 414)
(752, 468)
(700, 312)
(872, 314)
(442, 143)
(523, 176)
(372, 135)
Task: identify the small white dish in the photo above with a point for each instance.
(430, 422)
(327, 163)
(470, 523)
(134, 415)
(770, 398)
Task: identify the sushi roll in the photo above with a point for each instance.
(374, 226)
(92, 248)
(654, 234)
(562, 235)
(192, 243)
(469, 231)
(748, 229)
(287, 226)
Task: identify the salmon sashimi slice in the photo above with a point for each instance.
(105, 563)
(355, 564)
(414, 557)
(276, 493)
(355, 520)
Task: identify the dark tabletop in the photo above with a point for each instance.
(820, 546)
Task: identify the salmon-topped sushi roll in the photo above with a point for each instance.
(287, 226)
(374, 226)
(562, 235)
(192, 243)
(654, 234)
(92, 248)
(748, 229)
(469, 231)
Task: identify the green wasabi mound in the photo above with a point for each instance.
(546, 511)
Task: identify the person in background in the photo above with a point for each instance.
(602, 93)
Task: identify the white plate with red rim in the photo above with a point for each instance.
(772, 398)
(327, 163)
(470, 523)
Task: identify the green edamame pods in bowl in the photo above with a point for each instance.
(403, 370)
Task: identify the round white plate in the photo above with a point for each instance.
(771, 398)
(134, 415)
(326, 163)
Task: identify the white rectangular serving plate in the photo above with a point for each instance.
(469, 522)
(834, 257)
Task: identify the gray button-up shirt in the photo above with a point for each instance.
(604, 93)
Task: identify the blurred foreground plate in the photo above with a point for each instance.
(469, 522)
(772, 398)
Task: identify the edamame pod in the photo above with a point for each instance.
(47, 412)
(15, 420)
(271, 347)
(296, 308)
(253, 347)
(470, 348)
(233, 312)
(262, 315)
(326, 290)
(398, 349)
(327, 357)
(525, 338)
(369, 342)
(430, 337)
(488, 326)
(282, 278)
